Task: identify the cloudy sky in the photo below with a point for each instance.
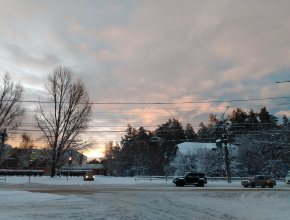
(171, 51)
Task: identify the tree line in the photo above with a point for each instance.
(263, 146)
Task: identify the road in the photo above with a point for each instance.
(81, 189)
(148, 201)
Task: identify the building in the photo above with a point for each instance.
(14, 158)
(97, 169)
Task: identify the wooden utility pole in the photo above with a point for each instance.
(228, 169)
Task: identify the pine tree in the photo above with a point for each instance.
(267, 120)
(215, 128)
(170, 134)
(203, 133)
(238, 119)
(252, 121)
(189, 133)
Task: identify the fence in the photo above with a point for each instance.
(171, 177)
(208, 178)
(21, 173)
(153, 178)
(72, 172)
(3, 178)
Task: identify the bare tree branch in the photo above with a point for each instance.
(70, 115)
(11, 113)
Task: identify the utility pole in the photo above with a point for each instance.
(225, 141)
(228, 170)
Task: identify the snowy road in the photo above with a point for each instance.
(123, 198)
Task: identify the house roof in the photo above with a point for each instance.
(192, 147)
(187, 147)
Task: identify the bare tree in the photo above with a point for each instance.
(27, 142)
(67, 118)
(11, 112)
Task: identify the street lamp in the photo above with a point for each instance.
(3, 137)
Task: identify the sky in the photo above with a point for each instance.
(150, 52)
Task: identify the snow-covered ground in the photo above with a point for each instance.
(125, 198)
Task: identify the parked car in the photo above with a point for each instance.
(89, 176)
(259, 180)
(287, 178)
(190, 178)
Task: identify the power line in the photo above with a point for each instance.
(157, 103)
(283, 81)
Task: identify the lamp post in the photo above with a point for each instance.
(3, 137)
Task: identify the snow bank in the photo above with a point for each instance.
(23, 196)
(108, 180)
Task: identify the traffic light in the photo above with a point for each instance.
(30, 163)
(70, 160)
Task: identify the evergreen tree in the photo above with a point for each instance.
(112, 160)
(170, 134)
(177, 131)
(129, 147)
(189, 133)
(252, 121)
(215, 128)
(203, 133)
(238, 120)
(267, 121)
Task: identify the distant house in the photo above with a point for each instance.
(14, 158)
(191, 148)
(7, 146)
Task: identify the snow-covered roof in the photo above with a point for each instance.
(192, 148)
(187, 147)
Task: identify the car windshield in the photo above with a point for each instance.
(288, 175)
(252, 177)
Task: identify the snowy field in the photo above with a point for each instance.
(125, 198)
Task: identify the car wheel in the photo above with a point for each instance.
(253, 185)
(263, 186)
(181, 184)
(245, 186)
(201, 184)
(271, 185)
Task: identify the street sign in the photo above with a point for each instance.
(32, 155)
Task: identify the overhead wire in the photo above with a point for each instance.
(160, 103)
(97, 104)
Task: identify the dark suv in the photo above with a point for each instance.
(191, 178)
